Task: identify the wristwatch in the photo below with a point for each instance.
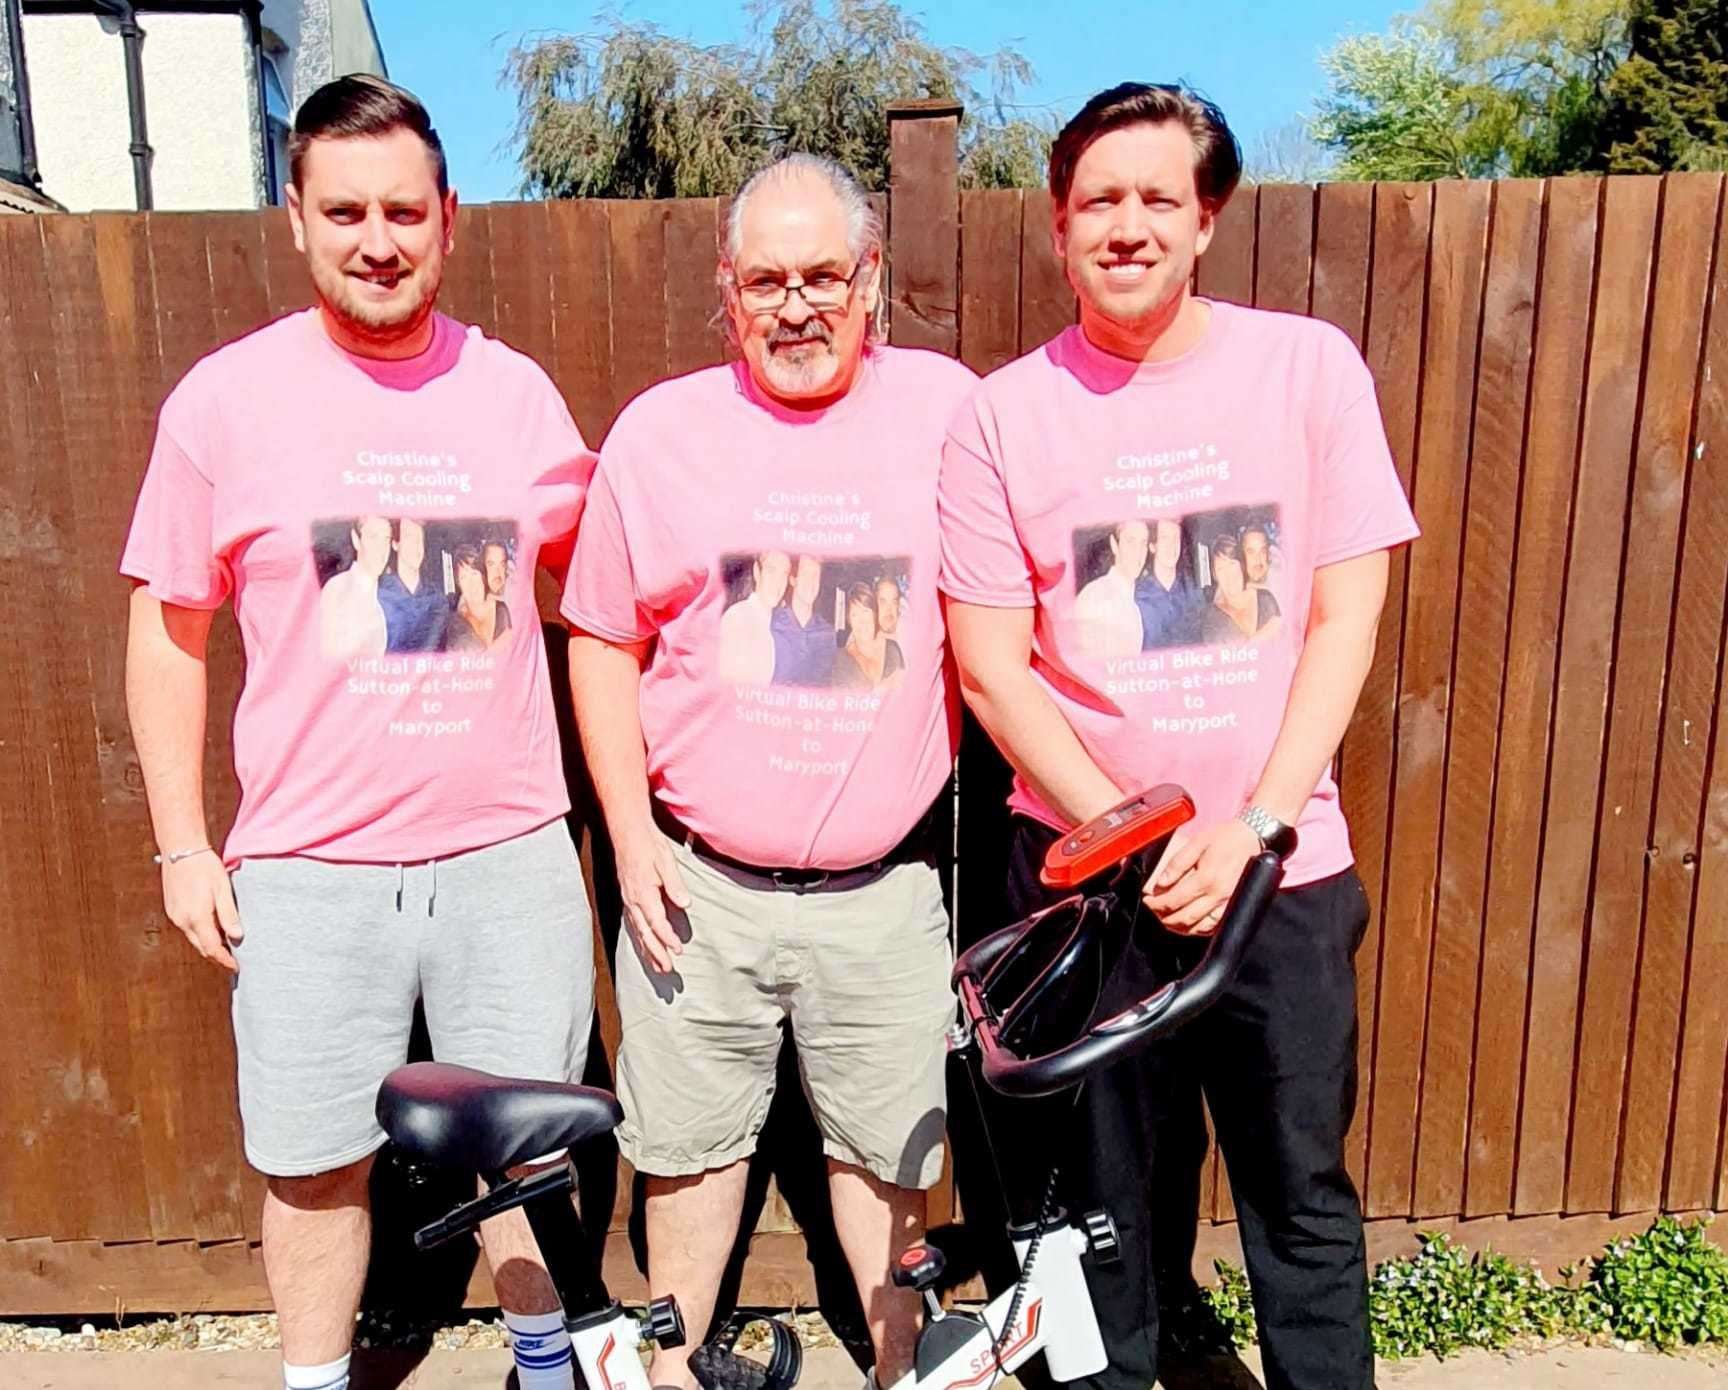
(1272, 833)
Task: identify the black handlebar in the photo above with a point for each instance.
(999, 1033)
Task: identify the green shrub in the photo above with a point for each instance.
(1668, 1287)
(1231, 1304)
(1443, 1299)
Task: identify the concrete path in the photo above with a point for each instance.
(829, 1368)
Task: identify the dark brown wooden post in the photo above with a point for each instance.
(924, 225)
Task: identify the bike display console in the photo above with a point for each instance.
(1105, 842)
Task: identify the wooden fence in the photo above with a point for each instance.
(1537, 777)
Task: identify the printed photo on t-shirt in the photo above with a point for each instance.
(404, 584)
(1202, 579)
(825, 621)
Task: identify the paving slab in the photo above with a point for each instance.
(829, 1368)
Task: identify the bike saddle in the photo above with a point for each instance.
(1093, 979)
(461, 1118)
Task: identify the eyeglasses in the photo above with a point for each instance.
(823, 291)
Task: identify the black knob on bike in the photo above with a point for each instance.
(1101, 1237)
(919, 1267)
(663, 1324)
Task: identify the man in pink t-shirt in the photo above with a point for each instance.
(768, 737)
(337, 476)
(1156, 458)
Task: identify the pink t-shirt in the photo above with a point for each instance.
(377, 525)
(1166, 521)
(796, 708)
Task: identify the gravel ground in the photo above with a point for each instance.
(257, 1332)
(1558, 1365)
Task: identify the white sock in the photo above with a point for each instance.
(333, 1375)
(541, 1347)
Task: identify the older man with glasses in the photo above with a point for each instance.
(773, 831)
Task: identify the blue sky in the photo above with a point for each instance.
(1256, 59)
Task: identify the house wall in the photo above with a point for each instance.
(200, 94)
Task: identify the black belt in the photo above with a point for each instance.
(919, 843)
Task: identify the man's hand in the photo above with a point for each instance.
(648, 879)
(199, 900)
(1192, 887)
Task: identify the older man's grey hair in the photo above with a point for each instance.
(863, 223)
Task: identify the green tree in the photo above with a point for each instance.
(1396, 108)
(1668, 102)
(630, 112)
(1536, 74)
(1480, 88)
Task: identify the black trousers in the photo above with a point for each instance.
(1276, 1062)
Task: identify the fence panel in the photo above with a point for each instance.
(1565, 301)
(468, 294)
(1695, 849)
(1402, 217)
(1655, 904)
(1226, 271)
(1536, 777)
(1474, 785)
(1593, 886)
(1046, 303)
(637, 232)
(1343, 260)
(1495, 439)
(1284, 247)
(1425, 687)
(990, 291)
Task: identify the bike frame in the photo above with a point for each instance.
(1054, 1317)
(604, 1337)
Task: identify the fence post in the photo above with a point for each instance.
(924, 225)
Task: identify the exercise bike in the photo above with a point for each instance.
(1043, 1003)
(456, 1117)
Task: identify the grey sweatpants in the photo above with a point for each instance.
(498, 942)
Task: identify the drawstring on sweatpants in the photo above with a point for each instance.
(432, 890)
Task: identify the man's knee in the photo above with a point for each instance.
(717, 1180)
(347, 1186)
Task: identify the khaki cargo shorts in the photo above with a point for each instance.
(861, 975)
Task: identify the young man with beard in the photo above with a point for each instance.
(400, 833)
(775, 848)
(1218, 409)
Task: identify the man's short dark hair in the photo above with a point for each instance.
(358, 106)
(1217, 156)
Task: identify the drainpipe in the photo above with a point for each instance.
(255, 33)
(132, 39)
(21, 80)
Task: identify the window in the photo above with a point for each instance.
(278, 122)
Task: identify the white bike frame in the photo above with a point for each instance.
(605, 1348)
(1055, 1317)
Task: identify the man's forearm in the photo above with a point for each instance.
(1023, 721)
(605, 688)
(1323, 693)
(166, 701)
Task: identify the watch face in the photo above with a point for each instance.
(1274, 834)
